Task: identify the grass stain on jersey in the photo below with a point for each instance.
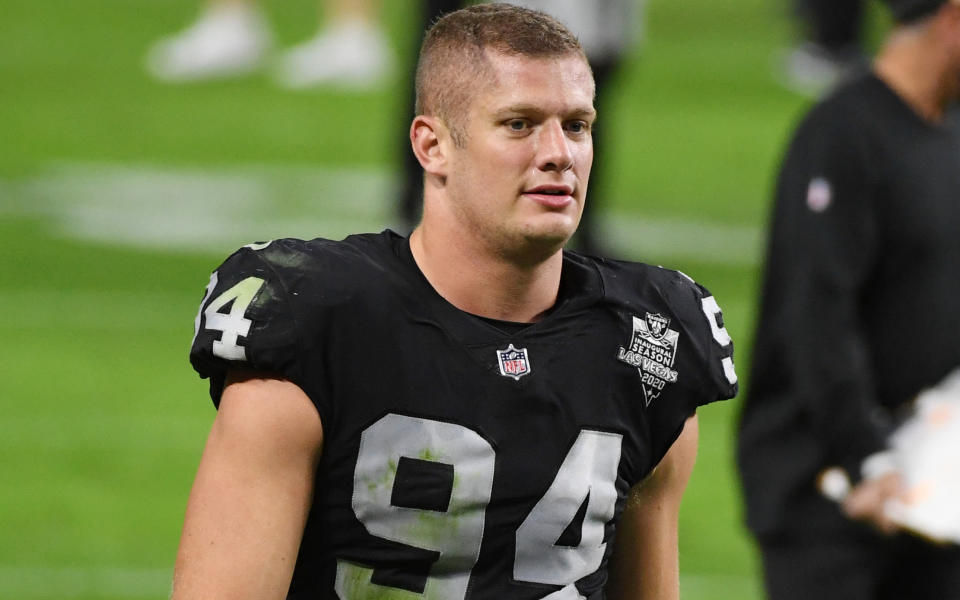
(428, 454)
(357, 584)
(389, 476)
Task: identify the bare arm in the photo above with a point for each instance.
(251, 495)
(645, 563)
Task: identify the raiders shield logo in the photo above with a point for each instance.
(653, 349)
(513, 362)
(657, 324)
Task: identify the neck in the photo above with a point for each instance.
(912, 64)
(483, 283)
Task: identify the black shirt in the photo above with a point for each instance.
(462, 459)
(860, 297)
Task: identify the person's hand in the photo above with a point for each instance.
(866, 501)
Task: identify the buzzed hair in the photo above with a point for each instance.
(452, 61)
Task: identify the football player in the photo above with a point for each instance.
(471, 412)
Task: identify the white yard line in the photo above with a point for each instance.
(217, 209)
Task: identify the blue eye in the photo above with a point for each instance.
(517, 124)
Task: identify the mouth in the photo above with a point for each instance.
(552, 196)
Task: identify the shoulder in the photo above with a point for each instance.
(296, 255)
(641, 289)
(297, 266)
(838, 142)
(850, 109)
(637, 283)
(665, 301)
(267, 300)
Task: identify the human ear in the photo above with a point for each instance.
(427, 137)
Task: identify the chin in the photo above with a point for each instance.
(555, 234)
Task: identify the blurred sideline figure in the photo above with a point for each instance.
(232, 37)
(409, 200)
(831, 50)
(860, 312)
(607, 29)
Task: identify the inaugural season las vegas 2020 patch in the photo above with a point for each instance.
(653, 348)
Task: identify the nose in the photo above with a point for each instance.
(554, 152)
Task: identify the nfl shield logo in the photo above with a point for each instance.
(513, 362)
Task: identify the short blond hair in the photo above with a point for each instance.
(452, 57)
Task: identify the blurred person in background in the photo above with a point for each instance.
(607, 29)
(860, 311)
(831, 50)
(409, 200)
(470, 411)
(232, 37)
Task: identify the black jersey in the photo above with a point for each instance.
(460, 459)
(860, 298)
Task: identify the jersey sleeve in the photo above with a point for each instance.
(246, 322)
(705, 371)
(714, 347)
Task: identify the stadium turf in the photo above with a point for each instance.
(101, 419)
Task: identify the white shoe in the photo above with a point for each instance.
(350, 55)
(225, 41)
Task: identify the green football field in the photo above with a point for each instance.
(119, 195)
